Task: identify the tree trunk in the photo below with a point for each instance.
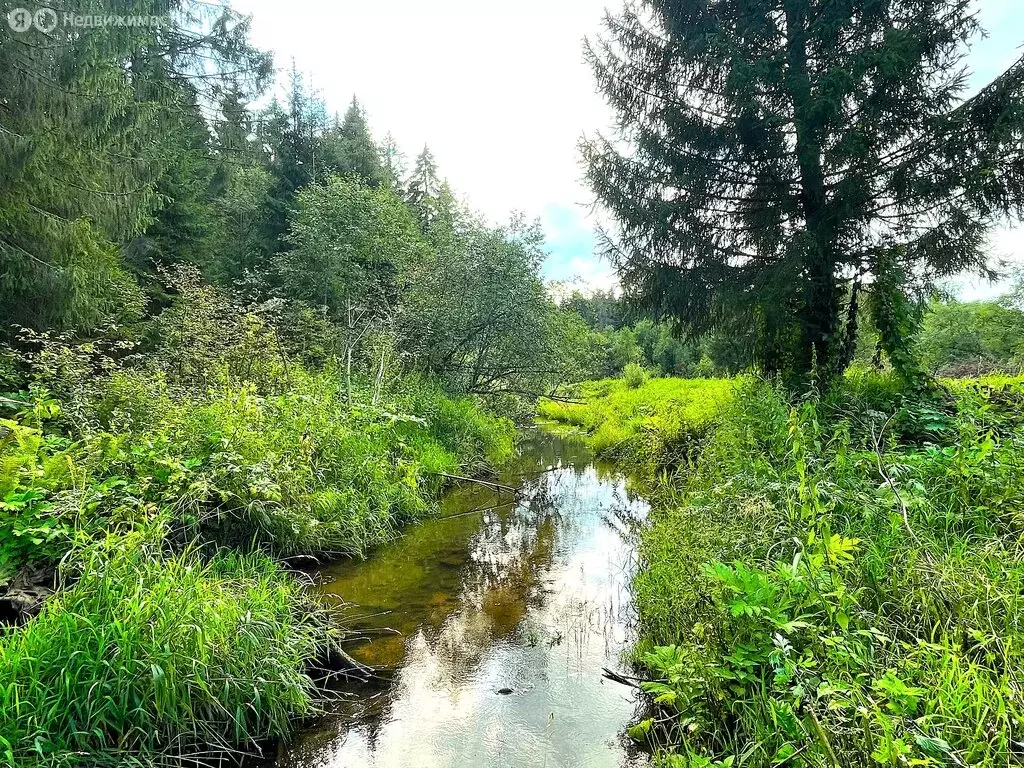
(348, 352)
(819, 320)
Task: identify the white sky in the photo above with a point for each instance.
(500, 93)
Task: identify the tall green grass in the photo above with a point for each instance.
(837, 582)
(151, 656)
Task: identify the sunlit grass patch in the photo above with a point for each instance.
(653, 424)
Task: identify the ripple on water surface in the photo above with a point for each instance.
(492, 628)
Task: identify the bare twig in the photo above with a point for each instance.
(485, 483)
(877, 440)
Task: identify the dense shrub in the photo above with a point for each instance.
(297, 471)
(634, 375)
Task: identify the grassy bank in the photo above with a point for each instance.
(837, 582)
(153, 656)
(647, 424)
(170, 509)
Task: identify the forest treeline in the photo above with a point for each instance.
(135, 157)
(951, 339)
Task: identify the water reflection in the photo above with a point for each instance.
(495, 626)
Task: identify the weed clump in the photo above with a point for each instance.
(634, 375)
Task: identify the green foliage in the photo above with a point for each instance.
(133, 468)
(157, 656)
(658, 423)
(897, 321)
(836, 582)
(634, 375)
(295, 470)
(600, 310)
(613, 343)
(349, 244)
(424, 188)
(243, 210)
(30, 467)
(776, 156)
(478, 315)
(102, 139)
(971, 338)
(350, 151)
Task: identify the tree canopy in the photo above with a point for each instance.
(779, 157)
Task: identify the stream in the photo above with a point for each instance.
(491, 628)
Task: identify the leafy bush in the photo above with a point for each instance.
(973, 336)
(31, 467)
(160, 655)
(634, 375)
(297, 471)
(134, 471)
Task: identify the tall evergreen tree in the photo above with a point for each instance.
(234, 127)
(780, 154)
(182, 229)
(423, 188)
(349, 148)
(75, 174)
(291, 137)
(392, 161)
(101, 131)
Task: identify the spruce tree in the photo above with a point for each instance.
(777, 157)
(102, 131)
(350, 151)
(76, 175)
(392, 161)
(423, 188)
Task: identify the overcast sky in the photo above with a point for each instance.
(500, 93)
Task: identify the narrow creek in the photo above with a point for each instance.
(492, 627)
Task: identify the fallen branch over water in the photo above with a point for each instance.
(485, 483)
(479, 510)
(632, 682)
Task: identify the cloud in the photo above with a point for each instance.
(572, 249)
(1006, 252)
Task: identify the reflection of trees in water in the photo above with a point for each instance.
(510, 556)
(507, 563)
